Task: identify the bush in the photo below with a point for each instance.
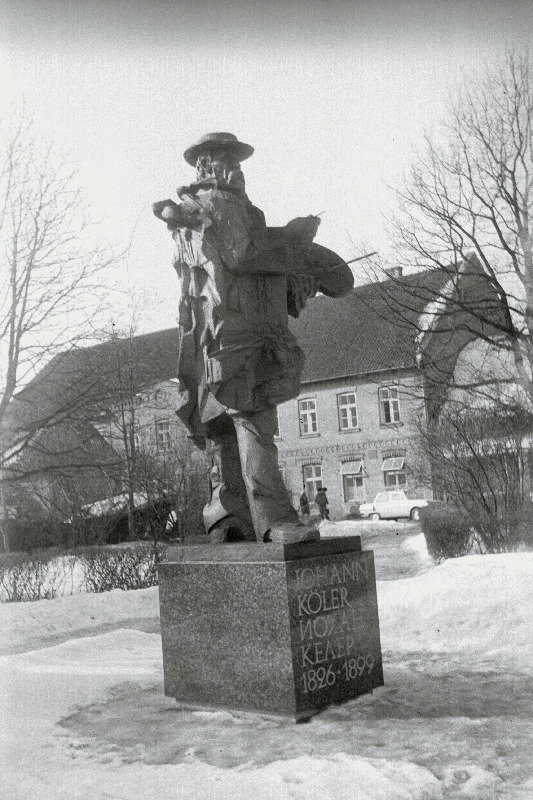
(129, 566)
(39, 533)
(47, 574)
(525, 526)
(447, 531)
(41, 576)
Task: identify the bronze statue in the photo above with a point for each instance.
(238, 359)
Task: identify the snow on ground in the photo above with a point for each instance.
(25, 626)
(399, 547)
(87, 718)
(476, 607)
(362, 527)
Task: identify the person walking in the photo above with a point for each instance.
(304, 504)
(322, 502)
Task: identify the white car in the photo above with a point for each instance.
(392, 505)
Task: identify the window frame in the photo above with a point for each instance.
(389, 403)
(353, 476)
(166, 445)
(394, 478)
(398, 484)
(350, 473)
(132, 427)
(314, 479)
(348, 406)
(308, 412)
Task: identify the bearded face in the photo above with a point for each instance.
(221, 165)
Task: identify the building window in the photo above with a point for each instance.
(389, 404)
(162, 434)
(347, 408)
(312, 479)
(134, 440)
(353, 488)
(307, 416)
(276, 432)
(394, 472)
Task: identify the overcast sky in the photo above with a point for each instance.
(332, 95)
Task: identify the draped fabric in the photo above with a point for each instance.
(236, 350)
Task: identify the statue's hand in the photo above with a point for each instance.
(163, 207)
(302, 229)
(178, 216)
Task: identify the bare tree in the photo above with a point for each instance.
(50, 272)
(159, 468)
(51, 288)
(464, 240)
(480, 463)
(467, 209)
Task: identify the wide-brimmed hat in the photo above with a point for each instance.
(217, 141)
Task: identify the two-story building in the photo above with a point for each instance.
(354, 426)
(378, 362)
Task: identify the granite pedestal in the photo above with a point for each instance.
(275, 628)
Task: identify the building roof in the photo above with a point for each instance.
(80, 383)
(371, 329)
(75, 446)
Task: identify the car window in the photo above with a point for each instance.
(382, 497)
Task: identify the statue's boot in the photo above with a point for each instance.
(227, 518)
(290, 532)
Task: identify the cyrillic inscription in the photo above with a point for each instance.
(334, 618)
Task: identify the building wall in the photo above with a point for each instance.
(157, 429)
(158, 434)
(331, 448)
(337, 451)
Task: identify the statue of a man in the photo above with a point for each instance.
(238, 359)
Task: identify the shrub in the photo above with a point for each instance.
(128, 566)
(525, 526)
(39, 533)
(447, 531)
(41, 576)
(50, 573)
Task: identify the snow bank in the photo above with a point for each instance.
(30, 625)
(417, 544)
(476, 606)
(364, 527)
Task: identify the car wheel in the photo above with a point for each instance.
(374, 517)
(415, 514)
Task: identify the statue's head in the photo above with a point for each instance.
(219, 155)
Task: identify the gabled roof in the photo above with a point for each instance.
(80, 383)
(75, 446)
(371, 329)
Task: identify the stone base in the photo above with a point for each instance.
(271, 628)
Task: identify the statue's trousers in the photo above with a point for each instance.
(267, 495)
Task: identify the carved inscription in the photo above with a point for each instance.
(334, 620)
